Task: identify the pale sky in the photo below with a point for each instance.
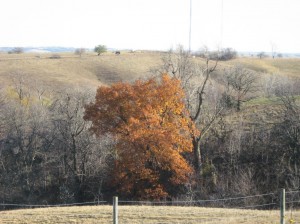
(245, 25)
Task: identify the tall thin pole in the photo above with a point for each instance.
(190, 35)
(115, 210)
(221, 34)
(282, 206)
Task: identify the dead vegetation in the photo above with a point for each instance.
(141, 214)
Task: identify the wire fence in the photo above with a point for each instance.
(293, 206)
(261, 208)
(251, 201)
(5, 206)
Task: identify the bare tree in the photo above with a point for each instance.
(179, 64)
(261, 55)
(286, 135)
(20, 85)
(3, 101)
(80, 51)
(16, 50)
(80, 153)
(270, 84)
(26, 89)
(22, 151)
(40, 91)
(240, 83)
(195, 78)
(273, 49)
(23, 126)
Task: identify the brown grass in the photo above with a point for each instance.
(281, 66)
(142, 214)
(92, 70)
(71, 70)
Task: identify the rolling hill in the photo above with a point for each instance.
(69, 69)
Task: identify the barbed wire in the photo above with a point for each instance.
(198, 201)
(156, 202)
(160, 202)
(211, 219)
(208, 219)
(292, 192)
(55, 205)
(256, 206)
(289, 202)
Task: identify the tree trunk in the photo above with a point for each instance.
(238, 107)
(197, 155)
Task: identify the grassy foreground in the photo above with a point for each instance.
(142, 214)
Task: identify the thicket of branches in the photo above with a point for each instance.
(48, 153)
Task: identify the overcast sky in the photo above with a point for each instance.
(245, 25)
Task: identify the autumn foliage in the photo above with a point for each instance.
(152, 129)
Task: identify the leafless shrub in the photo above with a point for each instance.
(80, 51)
(55, 56)
(16, 50)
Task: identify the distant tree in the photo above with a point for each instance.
(16, 50)
(261, 55)
(227, 54)
(203, 52)
(240, 82)
(19, 86)
(55, 56)
(223, 55)
(273, 49)
(80, 51)
(3, 101)
(152, 129)
(100, 49)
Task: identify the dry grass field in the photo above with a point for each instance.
(143, 214)
(91, 70)
(71, 70)
(280, 66)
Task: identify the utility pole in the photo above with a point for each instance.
(221, 34)
(190, 35)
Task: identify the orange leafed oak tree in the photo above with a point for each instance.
(152, 129)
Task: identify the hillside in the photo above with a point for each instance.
(282, 66)
(67, 70)
(71, 70)
(92, 70)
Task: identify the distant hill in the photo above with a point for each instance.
(268, 54)
(58, 49)
(42, 49)
(68, 69)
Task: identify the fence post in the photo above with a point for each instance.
(115, 210)
(282, 206)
